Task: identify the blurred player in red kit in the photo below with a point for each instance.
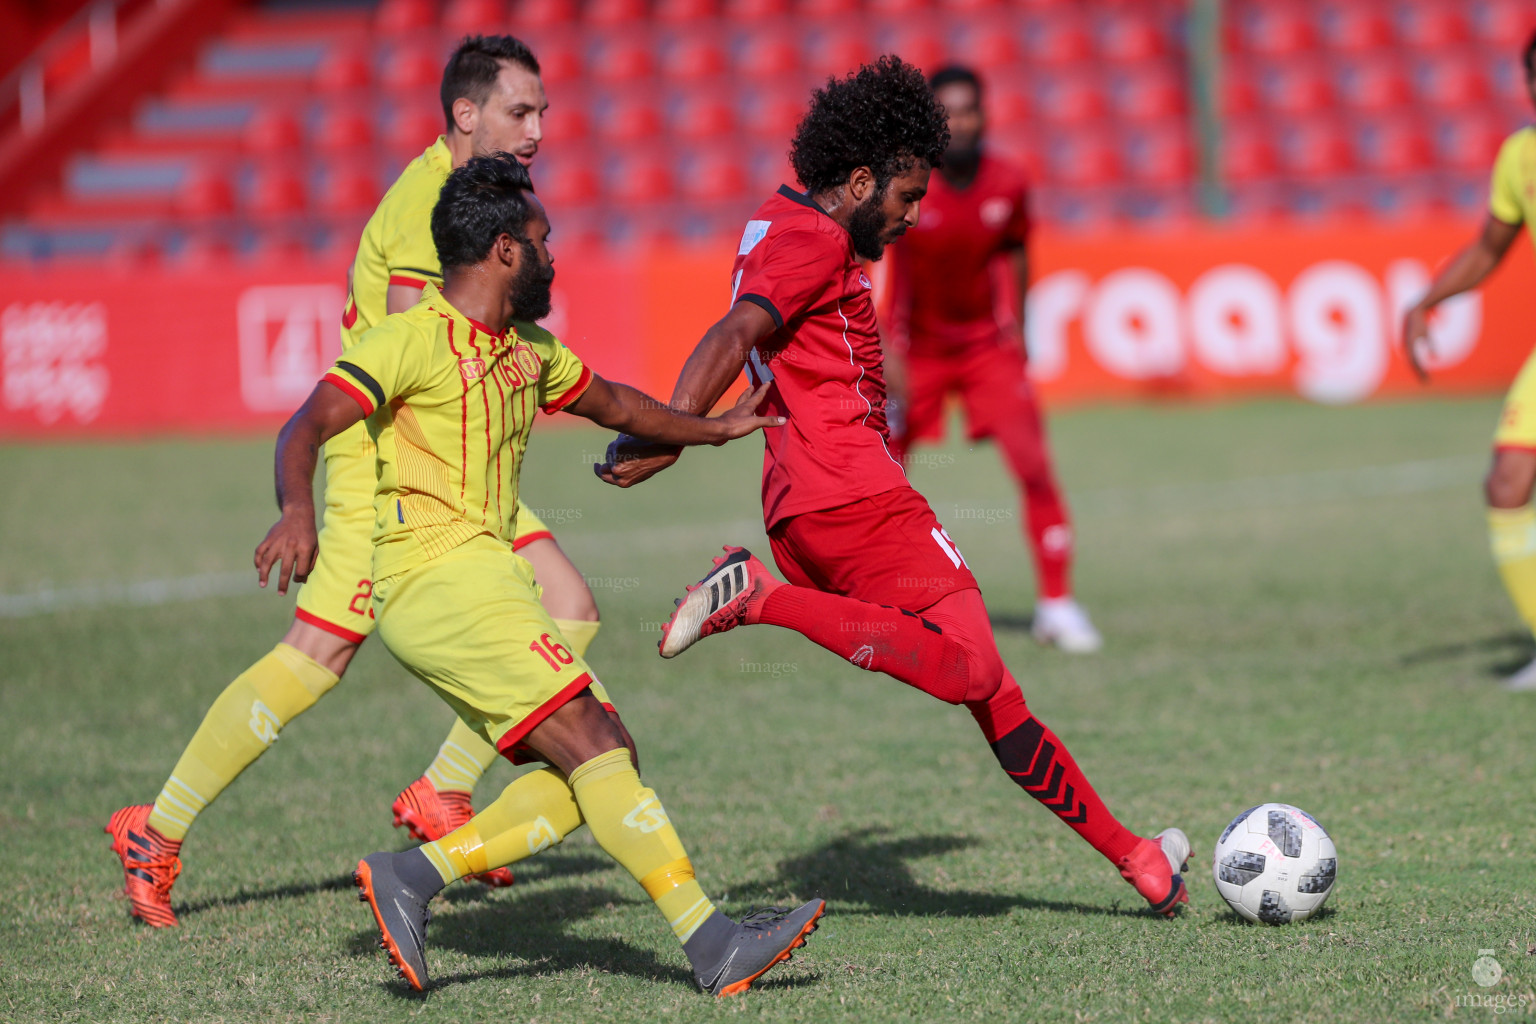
(869, 572)
(949, 335)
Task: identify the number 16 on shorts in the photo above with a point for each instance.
(552, 651)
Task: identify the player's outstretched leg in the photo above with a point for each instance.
(536, 812)
(1038, 761)
(739, 590)
(239, 727)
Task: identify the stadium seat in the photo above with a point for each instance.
(271, 131)
(1158, 153)
(411, 68)
(1069, 98)
(619, 57)
(475, 17)
(1247, 154)
(969, 7)
(1239, 92)
(1353, 26)
(1431, 24)
(1371, 85)
(630, 117)
(1502, 24)
(1467, 140)
(1055, 39)
(1295, 87)
(1007, 103)
(691, 56)
(832, 51)
(563, 182)
(566, 123)
(1138, 93)
(343, 70)
(754, 10)
(711, 176)
(560, 58)
(1129, 34)
(349, 189)
(1278, 30)
(205, 193)
(412, 129)
(916, 40)
(1082, 158)
(343, 130)
(683, 12)
(888, 9)
(704, 115)
(1449, 80)
(760, 55)
(634, 179)
(537, 14)
(1394, 146)
(608, 13)
(771, 114)
(1313, 148)
(988, 42)
(404, 17)
(277, 191)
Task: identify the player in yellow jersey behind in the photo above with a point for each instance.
(449, 390)
(1512, 476)
(493, 100)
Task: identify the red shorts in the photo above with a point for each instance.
(992, 380)
(888, 548)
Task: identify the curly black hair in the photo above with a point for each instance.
(480, 201)
(882, 116)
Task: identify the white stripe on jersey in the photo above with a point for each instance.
(869, 407)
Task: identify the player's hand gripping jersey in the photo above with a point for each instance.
(824, 360)
(944, 296)
(455, 402)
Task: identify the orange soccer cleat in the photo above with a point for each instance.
(150, 864)
(429, 815)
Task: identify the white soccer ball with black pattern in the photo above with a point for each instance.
(1275, 864)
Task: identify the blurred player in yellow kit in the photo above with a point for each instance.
(449, 389)
(1512, 476)
(493, 101)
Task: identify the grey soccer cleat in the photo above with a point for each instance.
(761, 940)
(399, 912)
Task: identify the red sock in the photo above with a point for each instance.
(1036, 759)
(882, 639)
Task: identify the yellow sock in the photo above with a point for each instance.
(461, 760)
(578, 633)
(628, 821)
(1512, 536)
(534, 813)
(242, 723)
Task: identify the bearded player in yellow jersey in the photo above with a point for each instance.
(493, 100)
(449, 390)
(1512, 476)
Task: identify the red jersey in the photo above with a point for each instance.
(943, 294)
(824, 359)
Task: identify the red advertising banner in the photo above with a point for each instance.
(1209, 313)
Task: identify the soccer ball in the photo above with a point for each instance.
(1275, 864)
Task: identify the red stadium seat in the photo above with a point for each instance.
(568, 122)
(1352, 26)
(1069, 98)
(1468, 140)
(1431, 25)
(1371, 85)
(1145, 92)
(765, 54)
(970, 6)
(620, 58)
(1247, 154)
(1007, 104)
(1082, 158)
(753, 10)
(895, 8)
(1239, 92)
(641, 178)
(560, 59)
(278, 191)
(988, 42)
(711, 176)
(1503, 24)
(474, 17)
(614, 12)
(1312, 148)
(412, 129)
(837, 52)
(343, 70)
(1274, 29)
(567, 182)
(534, 14)
(1158, 154)
(632, 117)
(1391, 146)
(1450, 80)
(825, 8)
(682, 12)
(917, 42)
(404, 17)
(411, 68)
(691, 56)
(205, 193)
(344, 130)
(772, 115)
(349, 189)
(1295, 87)
(272, 131)
(1129, 34)
(1057, 39)
(703, 116)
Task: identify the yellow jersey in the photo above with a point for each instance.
(450, 403)
(397, 247)
(1512, 195)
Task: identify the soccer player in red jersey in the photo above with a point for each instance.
(871, 573)
(944, 337)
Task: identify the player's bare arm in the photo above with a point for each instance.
(291, 544)
(714, 363)
(632, 412)
(1465, 271)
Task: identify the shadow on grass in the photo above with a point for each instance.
(1498, 642)
(869, 871)
(536, 869)
(532, 927)
(297, 890)
(1228, 916)
(1011, 623)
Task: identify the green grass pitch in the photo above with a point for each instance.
(1298, 605)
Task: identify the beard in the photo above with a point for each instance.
(531, 287)
(963, 158)
(866, 228)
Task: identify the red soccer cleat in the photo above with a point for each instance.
(429, 815)
(150, 864)
(730, 595)
(1155, 867)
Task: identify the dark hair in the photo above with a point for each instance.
(480, 201)
(955, 74)
(473, 68)
(882, 116)
(1529, 57)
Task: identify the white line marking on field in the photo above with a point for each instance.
(1245, 492)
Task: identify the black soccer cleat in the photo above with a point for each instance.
(762, 939)
(401, 915)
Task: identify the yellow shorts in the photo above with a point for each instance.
(469, 624)
(1517, 423)
(336, 596)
